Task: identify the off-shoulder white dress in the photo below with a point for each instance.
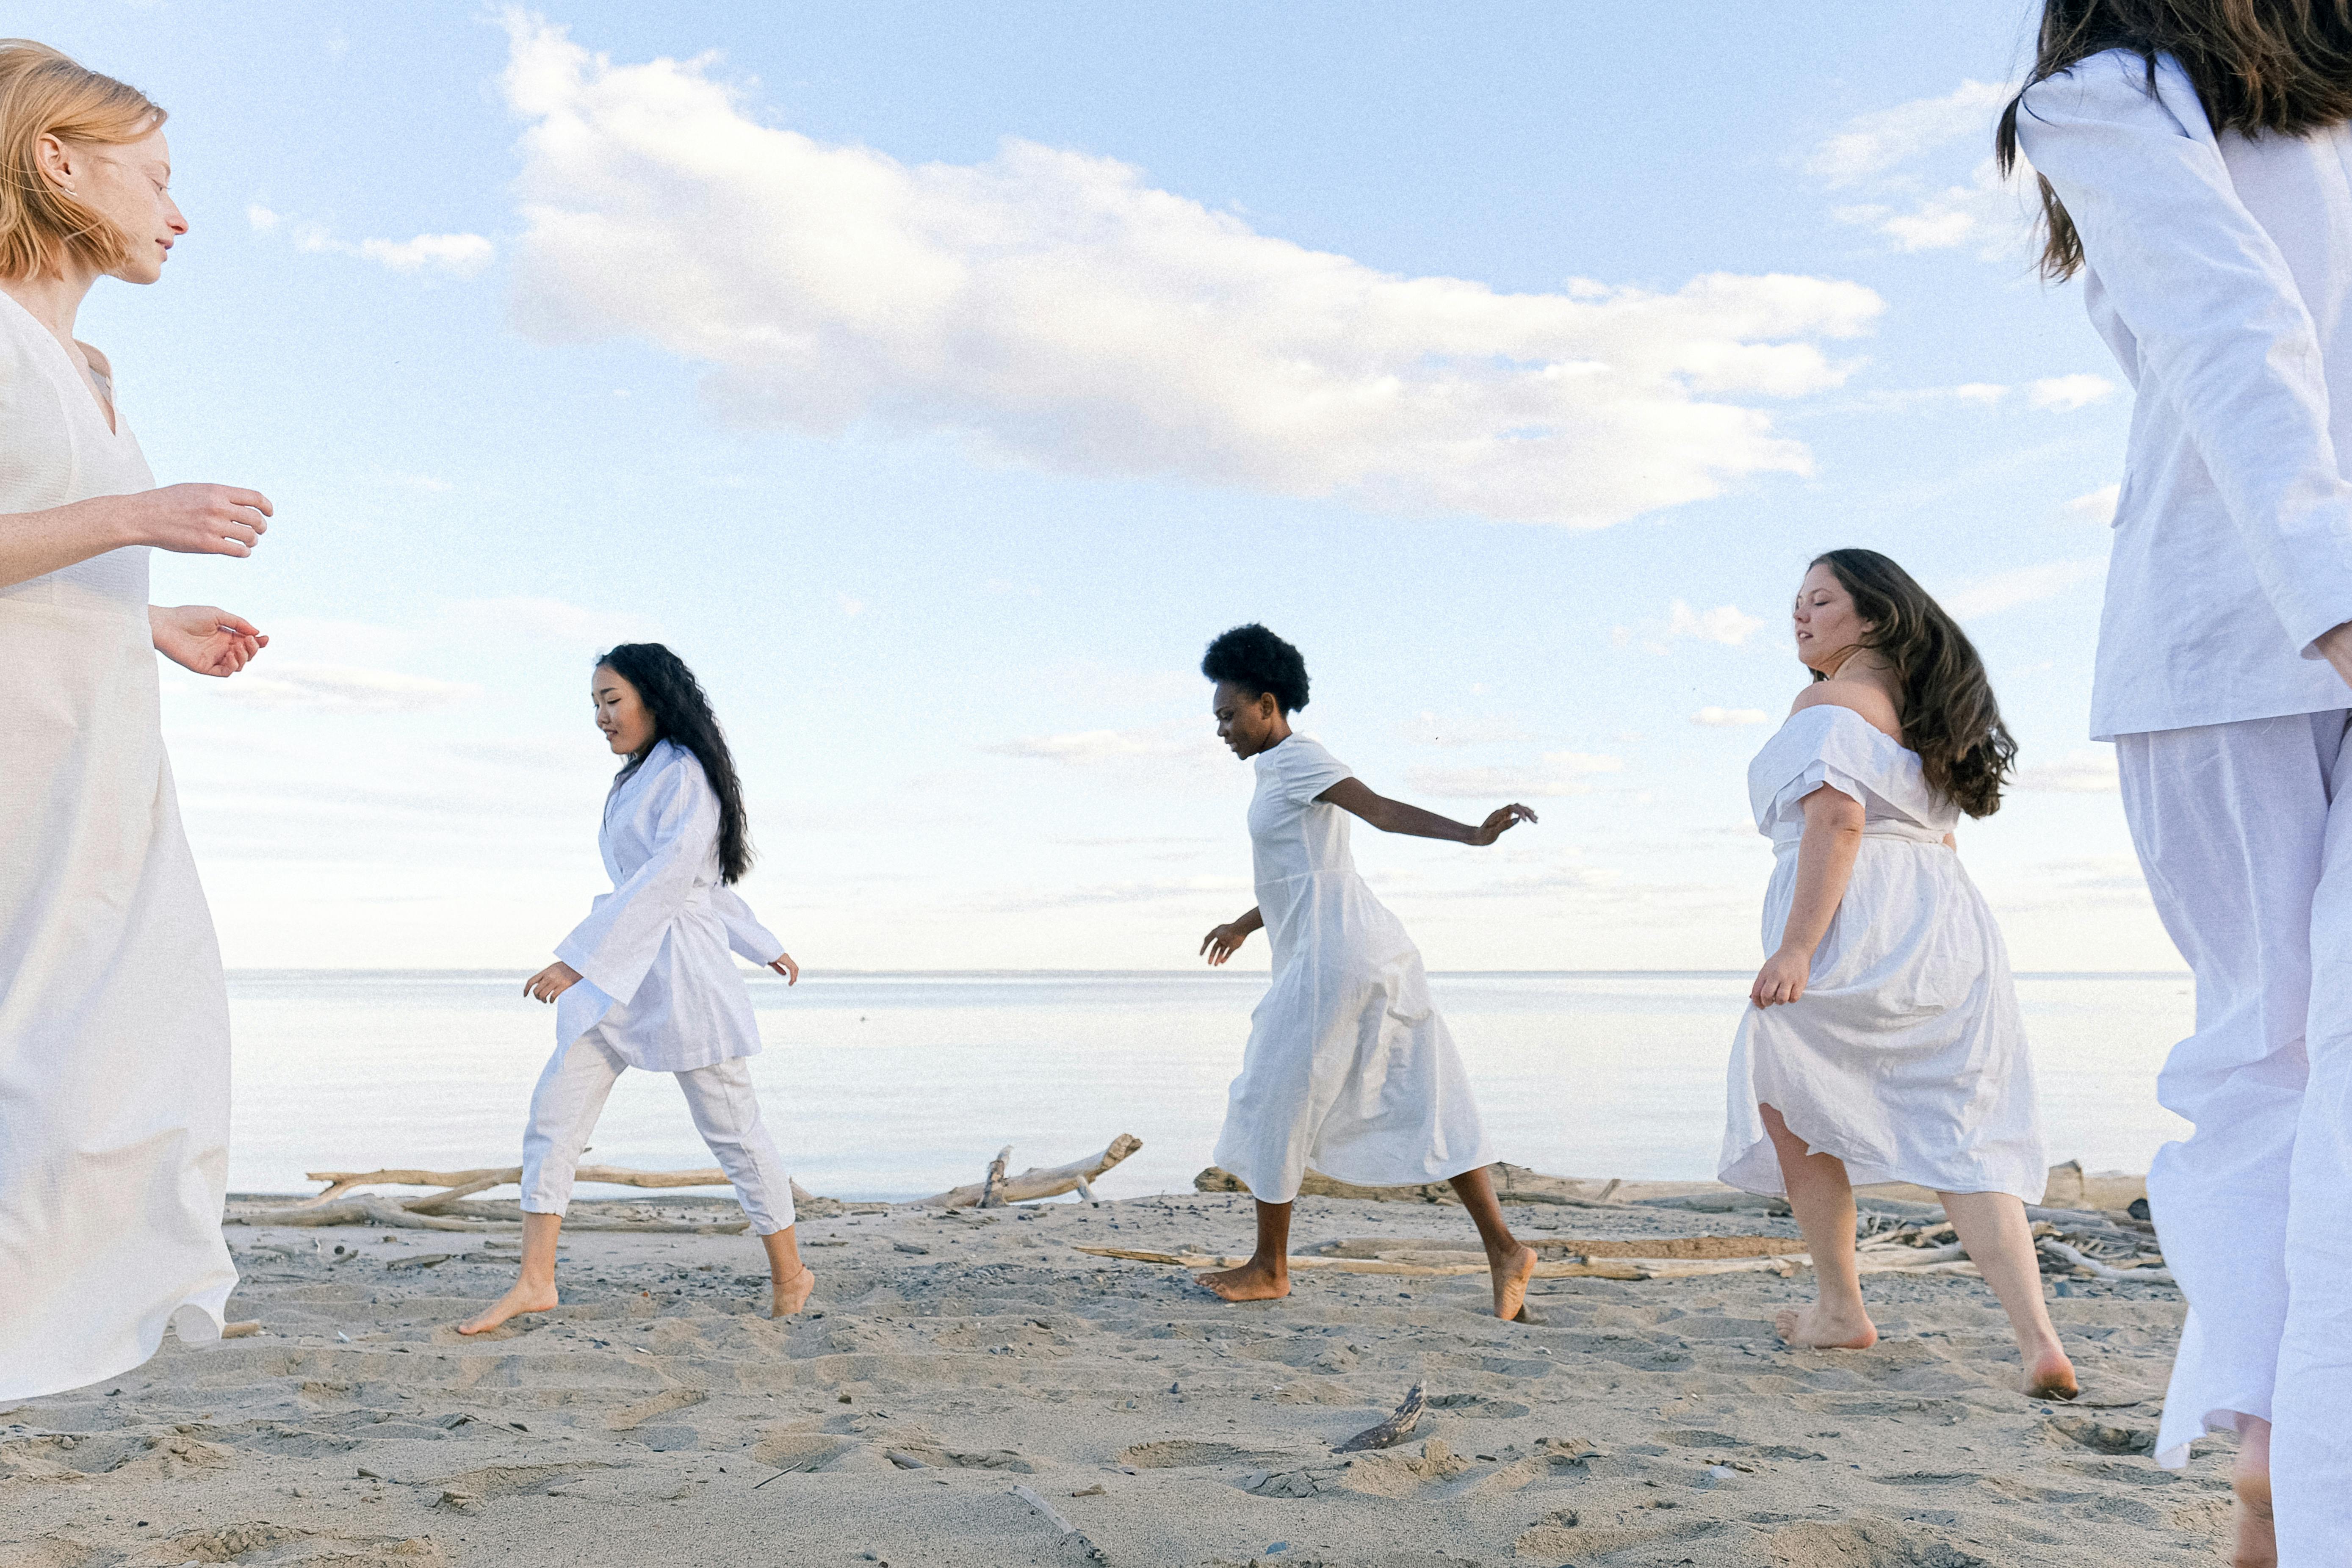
(1349, 1069)
(1905, 1058)
(113, 1016)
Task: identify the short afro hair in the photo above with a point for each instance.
(1252, 660)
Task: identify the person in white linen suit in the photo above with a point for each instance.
(2195, 165)
(646, 981)
(1883, 1041)
(1349, 1068)
(113, 1015)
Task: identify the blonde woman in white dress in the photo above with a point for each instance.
(1883, 1042)
(113, 1016)
(1350, 1070)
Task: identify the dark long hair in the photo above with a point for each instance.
(2279, 67)
(682, 716)
(1950, 716)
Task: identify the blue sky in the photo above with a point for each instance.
(937, 379)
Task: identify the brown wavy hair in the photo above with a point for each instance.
(2259, 67)
(1950, 716)
(46, 93)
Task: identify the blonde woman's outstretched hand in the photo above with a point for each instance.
(787, 969)
(204, 638)
(1499, 823)
(1782, 978)
(552, 981)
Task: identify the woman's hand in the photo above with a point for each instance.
(200, 637)
(195, 519)
(552, 981)
(787, 969)
(1782, 978)
(1499, 823)
(1224, 941)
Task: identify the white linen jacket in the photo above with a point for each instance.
(2218, 271)
(655, 974)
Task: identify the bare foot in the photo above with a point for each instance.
(2052, 1376)
(791, 1295)
(1816, 1328)
(517, 1301)
(1252, 1281)
(2257, 1545)
(1511, 1282)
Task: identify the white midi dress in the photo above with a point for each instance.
(1905, 1058)
(1350, 1070)
(113, 1015)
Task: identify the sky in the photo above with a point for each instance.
(937, 379)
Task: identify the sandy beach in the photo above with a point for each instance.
(950, 1358)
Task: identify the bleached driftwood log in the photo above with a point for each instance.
(1035, 1183)
(340, 1182)
(991, 1186)
(1513, 1184)
(2099, 1270)
(423, 1211)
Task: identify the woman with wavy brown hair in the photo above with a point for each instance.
(113, 1015)
(1883, 1042)
(2196, 169)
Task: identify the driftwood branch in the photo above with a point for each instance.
(1390, 1431)
(991, 1186)
(1035, 1183)
(2099, 1270)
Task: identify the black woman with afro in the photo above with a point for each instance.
(1350, 1070)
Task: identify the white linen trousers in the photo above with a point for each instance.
(571, 1096)
(2246, 841)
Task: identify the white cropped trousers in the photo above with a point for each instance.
(2245, 833)
(571, 1096)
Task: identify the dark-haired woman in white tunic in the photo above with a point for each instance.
(1350, 1070)
(1884, 1043)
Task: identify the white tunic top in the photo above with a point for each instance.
(1905, 1056)
(1349, 1069)
(2218, 271)
(113, 1016)
(656, 977)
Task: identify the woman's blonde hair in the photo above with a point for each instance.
(45, 93)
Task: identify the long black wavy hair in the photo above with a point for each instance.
(1950, 716)
(2259, 67)
(682, 716)
(1252, 660)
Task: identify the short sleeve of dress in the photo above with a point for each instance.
(1307, 770)
(1835, 746)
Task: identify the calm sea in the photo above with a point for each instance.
(893, 1085)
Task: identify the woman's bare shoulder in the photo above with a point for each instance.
(1858, 696)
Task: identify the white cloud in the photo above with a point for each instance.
(463, 253)
(1054, 308)
(1085, 748)
(2090, 772)
(2021, 585)
(2096, 506)
(341, 688)
(1730, 718)
(1984, 392)
(1874, 142)
(555, 621)
(2065, 393)
(1462, 730)
(1726, 624)
(1559, 774)
(262, 219)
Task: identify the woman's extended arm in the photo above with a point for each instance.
(1824, 864)
(193, 519)
(1225, 941)
(1388, 815)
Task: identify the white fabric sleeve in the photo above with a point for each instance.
(2220, 322)
(1825, 744)
(745, 934)
(1309, 770)
(617, 943)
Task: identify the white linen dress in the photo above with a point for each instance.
(1905, 1056)
(1350, 1070)
(113, 1015)
(658, 991)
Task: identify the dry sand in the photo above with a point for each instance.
(657, 1417)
